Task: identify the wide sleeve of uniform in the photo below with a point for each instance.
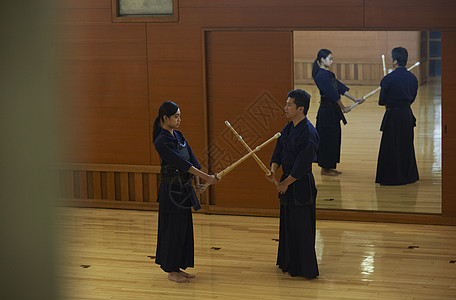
(193, 159)
(305, 156)
(414, 88)
(341, 88)
(166, 147)
(276, 155)
(383, 91)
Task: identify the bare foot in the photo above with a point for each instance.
(329, 172)
(288, 274)
(177, 277)
(186, 275)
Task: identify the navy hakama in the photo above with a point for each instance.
(175, 245)
(296, 254)
(295, 151)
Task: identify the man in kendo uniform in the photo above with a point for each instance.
(396, 163)
(295, 151)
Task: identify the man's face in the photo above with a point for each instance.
(290, 108)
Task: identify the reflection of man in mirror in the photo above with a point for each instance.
(396, 159)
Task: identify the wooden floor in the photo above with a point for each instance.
(107, 254)
(356, 189)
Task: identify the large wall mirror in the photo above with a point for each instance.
(358, 64)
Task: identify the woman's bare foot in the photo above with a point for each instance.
(186, 275)
(177, 277)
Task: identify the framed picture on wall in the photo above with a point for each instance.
(145, 11)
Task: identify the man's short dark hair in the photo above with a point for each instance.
(400, 55)
(301, 99)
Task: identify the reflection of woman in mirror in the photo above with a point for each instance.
(330, 112)
(396, 159)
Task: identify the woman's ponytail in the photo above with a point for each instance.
(157, 128)
(315, 68)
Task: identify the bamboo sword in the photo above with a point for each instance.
(240, 160)
(257, 159)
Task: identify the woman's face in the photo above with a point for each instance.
(327, 62)
(173, 121)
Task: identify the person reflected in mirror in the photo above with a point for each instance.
(396, 164)
(330, 112)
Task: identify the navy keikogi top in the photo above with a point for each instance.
(175, 152)
(330, 88)
(167, 146)
(398, 89)
(295, 151)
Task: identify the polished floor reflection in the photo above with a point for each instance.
(108, 254)
(356, 189)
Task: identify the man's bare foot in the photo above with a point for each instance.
(186, 275)
(288, 274)
(177, 277)
(329, 172)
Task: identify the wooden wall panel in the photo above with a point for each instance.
(139, 192)
(96, 177)
(104, 105)
(107, 119)
(236, 74)
(110, 185)
(449, 124)
(92, 4)
(83, 187)
(276, 14)
(175, 73)
(410, 14)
